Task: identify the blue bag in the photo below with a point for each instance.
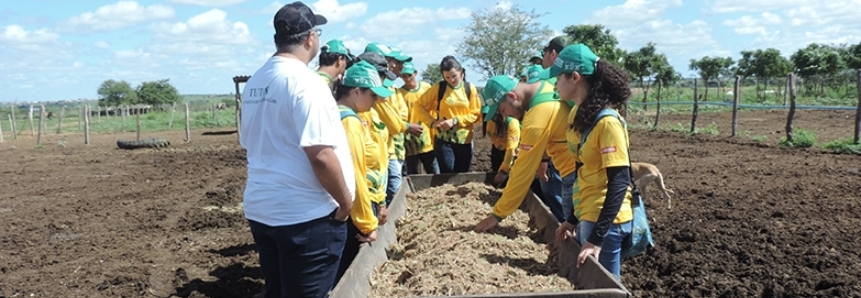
(640, 238)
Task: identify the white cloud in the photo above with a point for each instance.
(210, 3)
(679, 41)
(728, 6)
(209, 27)
(117, 16)
(102, 44)
(19, 35)
(335, 12)
(754, 25)
(350, 25)
(632, 12)
(504, 5)
(410, 21)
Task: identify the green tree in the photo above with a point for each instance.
(599, 39)
(816, 63)
(114, 93)
(709, 68)
(431, 74)
(853, 56)
(643, 64)
(500, 41)
(157, 92)
(770, 64)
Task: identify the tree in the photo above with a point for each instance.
(643, 64)
(599, 39)
(816, 62)
(770, 64)
(431, 74)
(710, 67)
(853, 56)
(500, 41)
(157, 92)
(114, 93)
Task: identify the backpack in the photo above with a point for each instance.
(348, 113)
(443, 86)
(640, 239)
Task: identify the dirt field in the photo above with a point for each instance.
(748, 219)
(439, 254)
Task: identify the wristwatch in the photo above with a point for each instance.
(454, 121)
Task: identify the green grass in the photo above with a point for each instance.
(843, 146)
(801, 138)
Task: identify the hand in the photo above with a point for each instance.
(370, 238)
(444, 124)
(566, 230)
(488, 223)
(499, 178)
(343, 212)
(587, 250)
(415, 130)
(382, 214)
(542, 172)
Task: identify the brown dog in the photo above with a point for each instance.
(645, 173)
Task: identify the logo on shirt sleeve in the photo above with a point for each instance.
(608, 150)
(525, 147)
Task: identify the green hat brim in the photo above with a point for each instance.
(491, 111)
(387, 83)
(403, 58)
(550, 73)
(383, 92)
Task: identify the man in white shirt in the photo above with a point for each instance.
(296, 198)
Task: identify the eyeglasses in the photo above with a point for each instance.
(318, 31)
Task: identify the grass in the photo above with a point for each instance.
(801, 138)
(843, 146)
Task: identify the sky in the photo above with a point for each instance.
(62, 49)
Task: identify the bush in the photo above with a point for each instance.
(844, 146)
(801, 138)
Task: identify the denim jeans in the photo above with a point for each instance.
(300, 260)
(394, 180)
(611, 250)
(453, 158)
(568, 194)
(428, 160)
(552, 190)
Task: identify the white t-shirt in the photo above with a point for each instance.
(286, 107)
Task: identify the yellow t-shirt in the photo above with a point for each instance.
(606, 146)
(454, 104)
(379, 136)
(509, 143)
(543, 129)
(424, 142)
(390, 113)
(325, 76)
(364, 152)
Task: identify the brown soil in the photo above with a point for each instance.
(438, 253)
(748, 219)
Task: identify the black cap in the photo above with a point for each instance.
(558, 43)
(379, 62)
(296, 18)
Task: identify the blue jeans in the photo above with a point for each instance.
(295, 264)
(453, 158)
(568, 194)
(428, 161)
(611, 250)
(552, 190)
(395, 178)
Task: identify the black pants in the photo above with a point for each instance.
(496, 158)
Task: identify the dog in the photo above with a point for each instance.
(645, 173)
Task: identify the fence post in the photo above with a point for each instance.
(658, 107)
(696, 106)
(30, 117)
(187, 131)
(785, 92)
(238, 110)
(858, 111)
(214, 117)
(41, 124)
(1, 131)
(791, 108)
(172, 111)
(86, 115)
(14, 125)
(60, 120)
(138, 120)
(735, 99)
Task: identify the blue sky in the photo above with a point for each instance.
(62, 49)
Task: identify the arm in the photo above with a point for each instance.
(511, 146)
(474, 113)
(403, 109)
(523, 172)
(327, 168)
(426, 103)
(362, 214)
(617, 187)
(390, 116)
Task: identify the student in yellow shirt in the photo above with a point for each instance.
(360, 88)
(418, 141)
(334, 59)
(505, 137)
(602, 196)
(458, 110)
(542, 130)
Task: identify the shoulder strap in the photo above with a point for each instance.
(468, 90)
(347, 112)
(442, 86)
(604, 113)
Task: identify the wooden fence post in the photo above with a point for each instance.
(658, 108)
(735, 99)
(99, 113)
(785, 92)
(172, 111)
(60, 120)
(791, 108)
(1, 131)
(41, 124)
(696, 107)
(138, 120)
(187, 131)
(30, 117)
(123, 116)
(86, 125)
(238, 110)
(858, 111)
(214, 117)
(14, 125)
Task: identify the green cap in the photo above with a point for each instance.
(539, 56)
(533, 73)
(484, 110)
(398, 55)
(379, 48)
(409, 68)
(364, 75)
(494, 92)
(576, 57)
(336, 46)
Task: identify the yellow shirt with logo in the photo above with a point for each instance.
(424, 142)
(395, 120)
(325, 76)
(379, 136)
(454, 104)
(364, 152)
(606, 146)
(543, 129)
(508, 143)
